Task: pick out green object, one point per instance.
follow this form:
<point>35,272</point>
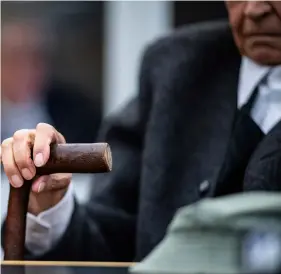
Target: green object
<point>234,234</point>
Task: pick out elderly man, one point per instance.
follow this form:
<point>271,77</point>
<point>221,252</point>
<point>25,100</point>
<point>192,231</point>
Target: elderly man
<point>206,123</point>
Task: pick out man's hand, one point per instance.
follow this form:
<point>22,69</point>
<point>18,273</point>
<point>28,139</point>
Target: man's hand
<point>18,165</point>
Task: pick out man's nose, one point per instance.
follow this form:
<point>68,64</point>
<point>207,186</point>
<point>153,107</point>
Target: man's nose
<point>257,9</point>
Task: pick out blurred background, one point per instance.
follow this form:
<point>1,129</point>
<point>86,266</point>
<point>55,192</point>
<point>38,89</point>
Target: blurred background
<point>72,63</point>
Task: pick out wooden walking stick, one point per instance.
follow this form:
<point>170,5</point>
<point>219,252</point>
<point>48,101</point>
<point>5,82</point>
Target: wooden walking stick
<point>64,158</point>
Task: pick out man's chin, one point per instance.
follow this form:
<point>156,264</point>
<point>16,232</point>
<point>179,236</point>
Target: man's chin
<point>263,56</point>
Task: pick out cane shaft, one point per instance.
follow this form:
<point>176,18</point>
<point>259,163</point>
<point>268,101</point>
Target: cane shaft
<point>14,238</point>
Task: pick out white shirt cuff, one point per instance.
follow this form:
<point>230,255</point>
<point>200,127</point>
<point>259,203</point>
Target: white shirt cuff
<point>44,230</point>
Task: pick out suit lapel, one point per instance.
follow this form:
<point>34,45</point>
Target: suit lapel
<point>194,104</point>
<point>209,127</point>
<point>264,169</point>
<point>218,114</point>
<point>197,111</point>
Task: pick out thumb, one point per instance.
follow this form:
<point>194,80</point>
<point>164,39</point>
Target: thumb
<point>51,182</point>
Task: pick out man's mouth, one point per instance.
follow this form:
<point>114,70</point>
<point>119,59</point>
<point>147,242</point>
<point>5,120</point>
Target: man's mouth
<point>263,34</point>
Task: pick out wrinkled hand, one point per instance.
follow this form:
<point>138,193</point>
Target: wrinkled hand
<point>46,191</point>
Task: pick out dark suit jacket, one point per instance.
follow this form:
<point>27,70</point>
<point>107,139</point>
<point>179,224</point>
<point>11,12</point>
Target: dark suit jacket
<point>167,141</point>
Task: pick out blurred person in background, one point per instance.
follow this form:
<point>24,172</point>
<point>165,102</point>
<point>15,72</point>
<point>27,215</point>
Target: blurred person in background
<point>206,123</point>
<point>30,93</point>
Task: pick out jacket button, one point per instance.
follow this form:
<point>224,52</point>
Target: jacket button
<point>204,187</point>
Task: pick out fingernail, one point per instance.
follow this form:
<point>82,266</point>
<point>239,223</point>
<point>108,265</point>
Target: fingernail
<point>26,174</point>
<point>39,161</point>
<point>41,187</point>
<point>17,181</point>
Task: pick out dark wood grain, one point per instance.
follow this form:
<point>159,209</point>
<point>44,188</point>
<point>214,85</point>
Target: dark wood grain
<point>78,158</point>
<point>64,158</point>
<point>16,222</point>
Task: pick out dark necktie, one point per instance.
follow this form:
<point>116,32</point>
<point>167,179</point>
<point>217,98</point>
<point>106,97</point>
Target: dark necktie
<point>246,136</point>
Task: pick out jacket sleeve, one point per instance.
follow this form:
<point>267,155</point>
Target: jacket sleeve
<point>105,228</point>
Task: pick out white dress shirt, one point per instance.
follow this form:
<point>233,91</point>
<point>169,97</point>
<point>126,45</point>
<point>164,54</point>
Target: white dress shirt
<point>44,230</point>
<point>267,109</point>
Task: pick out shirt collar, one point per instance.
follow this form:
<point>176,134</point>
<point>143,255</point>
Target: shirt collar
<point>274,78</point>
<point>250,75</point>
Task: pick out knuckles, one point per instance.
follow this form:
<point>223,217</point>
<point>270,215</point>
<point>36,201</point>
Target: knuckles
<point>45,127</point>
<point>7,143</point>
<point>48,130</point>
<point>21,134</point>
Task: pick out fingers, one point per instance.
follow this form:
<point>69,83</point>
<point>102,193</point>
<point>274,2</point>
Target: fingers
<point>51,182</point>
<point>16,152</point>
<point>45,135</point>
<point>22,143</point>
<point>10,167</point>
<point>51,192</point>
